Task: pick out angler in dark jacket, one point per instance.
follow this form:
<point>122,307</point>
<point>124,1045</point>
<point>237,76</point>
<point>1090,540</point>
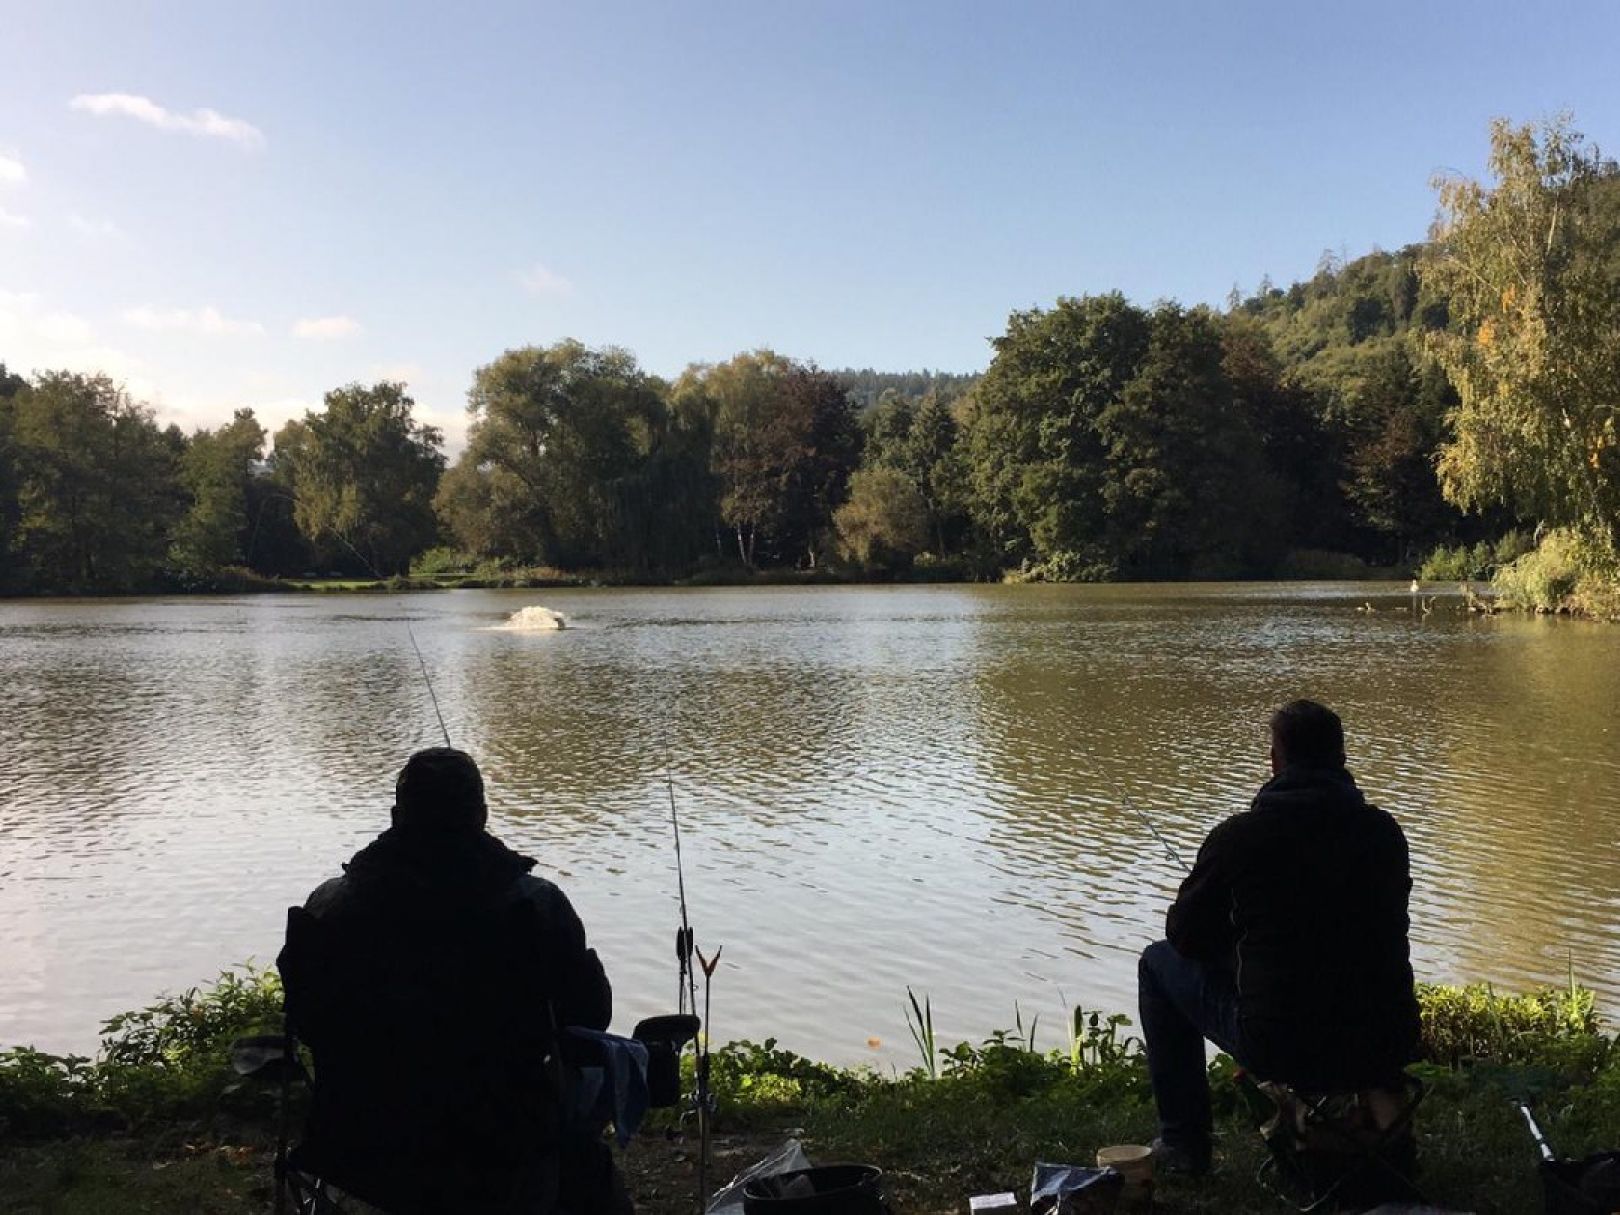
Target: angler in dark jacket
<point>430,980</point>
<point>1287,943</point>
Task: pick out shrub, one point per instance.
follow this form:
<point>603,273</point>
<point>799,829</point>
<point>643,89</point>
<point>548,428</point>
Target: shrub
<point>442,559</point>
<point>1565,573</point>
<point>1553,1027</point>
<point>163,1063</point>
<point>1473,562</point>
<point>44,1095</point>
<point>1063,567</point>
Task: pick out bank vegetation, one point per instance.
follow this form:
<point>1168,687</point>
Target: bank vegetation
<point>159,1121</point>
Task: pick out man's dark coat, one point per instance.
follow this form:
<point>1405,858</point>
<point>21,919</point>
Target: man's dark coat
<point>1304,898</point>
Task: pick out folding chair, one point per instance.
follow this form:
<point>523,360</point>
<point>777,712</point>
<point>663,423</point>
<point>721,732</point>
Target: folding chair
<point>399,1024</point>
<point>274,1057</point>
<point>1327,1150</point>
<point>436,1080</point>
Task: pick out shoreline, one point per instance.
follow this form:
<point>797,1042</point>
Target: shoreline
<point>607,580</point>
<point>159,1122</point>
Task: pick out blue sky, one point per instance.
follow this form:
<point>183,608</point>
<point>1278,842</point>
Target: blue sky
<point>231,204</point>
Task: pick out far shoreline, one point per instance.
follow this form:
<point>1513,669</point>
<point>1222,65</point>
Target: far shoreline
<point>605,580</point>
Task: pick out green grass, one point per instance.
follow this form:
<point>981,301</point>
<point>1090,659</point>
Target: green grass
<point>135,1176</point>
<point>158,1122</point>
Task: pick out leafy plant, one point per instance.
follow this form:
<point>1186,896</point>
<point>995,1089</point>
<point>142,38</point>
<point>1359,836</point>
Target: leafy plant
<point>1096,1041</point>
<point>920,1021</point>
<point>1554,1027</point>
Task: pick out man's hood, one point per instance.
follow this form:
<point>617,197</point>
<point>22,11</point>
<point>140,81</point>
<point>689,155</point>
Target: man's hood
<point>434,866</point>
<point>1296,788</point>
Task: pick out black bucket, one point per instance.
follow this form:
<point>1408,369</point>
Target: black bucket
<point>1582,1187</point>
<point>832,1189</point>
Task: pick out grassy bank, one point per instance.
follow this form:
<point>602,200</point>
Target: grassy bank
<point>157,1122</point>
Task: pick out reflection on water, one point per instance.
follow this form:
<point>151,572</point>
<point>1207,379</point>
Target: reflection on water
<point>878,787</point>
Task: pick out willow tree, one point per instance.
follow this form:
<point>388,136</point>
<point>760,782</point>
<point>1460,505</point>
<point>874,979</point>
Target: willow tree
<point>363,473</point>
<point>1531,264</point>
<point>560,460</point>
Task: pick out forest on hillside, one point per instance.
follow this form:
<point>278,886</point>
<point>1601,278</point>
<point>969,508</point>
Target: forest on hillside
<point>1385,407</point>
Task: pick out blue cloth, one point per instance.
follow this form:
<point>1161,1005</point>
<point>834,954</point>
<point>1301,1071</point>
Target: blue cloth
<point>1182,1002</point>
<point>614,1092</point>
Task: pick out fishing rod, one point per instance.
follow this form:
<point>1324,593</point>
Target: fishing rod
<point>1157,834</point>
<point>685,946</point>
<point>409,632</point>
<point>432,695</point>
<point>380,577</point>
<point>685,949</point>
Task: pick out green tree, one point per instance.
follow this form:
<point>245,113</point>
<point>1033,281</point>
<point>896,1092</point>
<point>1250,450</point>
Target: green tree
<point>218,471</point>
<point>919,440</point>
<point>818,482</point>
<point>1349,412</point>
<point>97,485</point>
<point>10,387</point>
<point>784,443</point>
<point>884,524</point>
<point>1396,424</point>
<point>1302,454</point>
<point>566,454</point>
<point>1185,487</point>
<point>362,473</point>
<point>755,440</point>
<point>1037,461</point>
<point>1531,267</point>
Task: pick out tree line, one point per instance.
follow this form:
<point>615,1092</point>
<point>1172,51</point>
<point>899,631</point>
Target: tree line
<point>1438,394</point>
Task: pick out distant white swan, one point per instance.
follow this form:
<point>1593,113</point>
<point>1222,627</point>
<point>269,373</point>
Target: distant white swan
<point>535,618</point>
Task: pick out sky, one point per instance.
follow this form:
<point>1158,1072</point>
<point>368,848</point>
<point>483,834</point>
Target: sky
<point>232,204</point>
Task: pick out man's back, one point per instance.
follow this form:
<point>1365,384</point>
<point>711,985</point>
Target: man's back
<point>430,1040</point>
<point>429,981</point>
<point>1304,896</point>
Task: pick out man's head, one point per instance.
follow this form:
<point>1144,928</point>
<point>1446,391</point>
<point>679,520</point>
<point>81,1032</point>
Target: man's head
<point>1307,735</point>
<point>440,791</point>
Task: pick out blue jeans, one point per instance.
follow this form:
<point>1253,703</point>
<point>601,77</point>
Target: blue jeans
<point>1182,1002</point>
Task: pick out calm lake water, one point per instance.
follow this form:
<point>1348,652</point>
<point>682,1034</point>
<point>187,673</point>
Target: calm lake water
<point>878,787</point>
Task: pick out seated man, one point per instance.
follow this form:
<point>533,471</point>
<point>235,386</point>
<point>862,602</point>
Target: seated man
<point>1286,945</point>
<point>429,982</point>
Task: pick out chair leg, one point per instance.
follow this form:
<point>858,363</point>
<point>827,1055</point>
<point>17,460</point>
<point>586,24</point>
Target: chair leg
<point>1285,1173</point>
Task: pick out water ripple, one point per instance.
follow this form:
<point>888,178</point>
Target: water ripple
<point>877,787</point>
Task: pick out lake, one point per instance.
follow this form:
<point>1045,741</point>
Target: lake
<point>878,787</point>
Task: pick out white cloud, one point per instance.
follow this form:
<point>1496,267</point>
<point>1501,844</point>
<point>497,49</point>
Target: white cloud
<point>205,321</point>
<point>326,328</point>
<point>38,339</point>
<point>12,172</point>
<point>97,229</point>
<point>206,122</point>
<point>541,280</point>
<point>63,328</point>
<point>408,373</point>
<point>10,220</point>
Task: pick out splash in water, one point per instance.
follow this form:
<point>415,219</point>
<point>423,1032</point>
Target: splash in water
<point>535,618</point>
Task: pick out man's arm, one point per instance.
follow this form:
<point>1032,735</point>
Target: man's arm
<point>1199,922</point>
<point>581,993</point>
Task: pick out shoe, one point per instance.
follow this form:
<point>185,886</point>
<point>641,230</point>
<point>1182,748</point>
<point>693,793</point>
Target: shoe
<point>1184,1161</point>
